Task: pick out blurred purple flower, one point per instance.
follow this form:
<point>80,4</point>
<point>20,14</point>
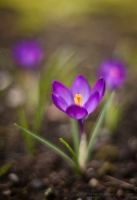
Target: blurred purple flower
<point>80,100</point>
<point>27,54</point>
<point>114,73</point>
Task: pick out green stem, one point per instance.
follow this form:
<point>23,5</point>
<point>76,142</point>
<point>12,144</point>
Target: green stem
<point>75,135</point>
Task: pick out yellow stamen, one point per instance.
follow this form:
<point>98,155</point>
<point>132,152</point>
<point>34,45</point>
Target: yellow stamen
<point>78,99</point>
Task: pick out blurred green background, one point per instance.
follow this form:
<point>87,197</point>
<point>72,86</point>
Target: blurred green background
<point>22,18</point>
<point>97,29</point>
<point>34,15</point>
<point>77,35</point>
<point>92,30</point>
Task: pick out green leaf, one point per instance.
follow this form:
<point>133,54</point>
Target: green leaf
<point>113,116</point>
<point>94,132</point>
<point>23,118</point>
<point>49,145</point>
<point>53,68</point>
<point>70,149</point>
<point>28,140</point>
<point>39,115</point>
<point>75,135</point>
<point>4,169</point>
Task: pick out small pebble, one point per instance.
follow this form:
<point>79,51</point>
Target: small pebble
<point>95,164</point>
<point>13,177</point>
<point>7,192</point>
<point>93,182</point>
<point>36,184</point>
<point>90,173</point>
<point>132,143</point>
<point>120,192</point>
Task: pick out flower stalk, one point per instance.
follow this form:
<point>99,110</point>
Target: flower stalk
<point>82,152</point>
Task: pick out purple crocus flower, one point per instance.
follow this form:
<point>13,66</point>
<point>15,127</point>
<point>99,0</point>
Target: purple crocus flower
<point>27,54</point>
<point>113,72</point>
<point>79,101</point>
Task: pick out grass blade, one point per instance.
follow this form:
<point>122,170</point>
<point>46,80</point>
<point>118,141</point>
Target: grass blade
<point>54,68</point>
<point>69,148</point>
<point>4,169</point>
<point>30,144</point>
<point>49,145</point>
<point>39,115</point>
<point>94,132</point>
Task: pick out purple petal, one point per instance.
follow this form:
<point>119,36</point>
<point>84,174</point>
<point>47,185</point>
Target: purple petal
<point>114,73</point>
<point>99,87</point>
<point>59,102</point>
<point>92,102</point>
<point>27,54</point>
<point>62,91</point>
<point>81,86</point>
<point>76,112</point>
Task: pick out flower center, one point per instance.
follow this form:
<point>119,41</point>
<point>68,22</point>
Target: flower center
<point>78,99</point>
<point>114,72</point>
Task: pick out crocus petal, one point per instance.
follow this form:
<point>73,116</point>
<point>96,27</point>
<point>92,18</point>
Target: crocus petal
<point>59,102</point>
<point>114,73</point>
<point>76,112</point>
<point>111,83</point>
<point>99,87</point>
<point>92,102</point>
<point>81,86</point>
<point>62,91</point>
<point>27,54</point>
<point>118,74</point>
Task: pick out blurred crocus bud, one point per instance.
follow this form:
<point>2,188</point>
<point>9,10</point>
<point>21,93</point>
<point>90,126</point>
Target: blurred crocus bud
<point>27,54</point>
<point>114,73</point>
